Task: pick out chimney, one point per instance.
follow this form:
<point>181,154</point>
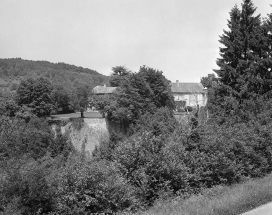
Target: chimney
<point>177,81</point>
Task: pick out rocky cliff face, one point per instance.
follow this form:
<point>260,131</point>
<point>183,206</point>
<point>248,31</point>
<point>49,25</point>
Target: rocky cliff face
<point>86,134</point>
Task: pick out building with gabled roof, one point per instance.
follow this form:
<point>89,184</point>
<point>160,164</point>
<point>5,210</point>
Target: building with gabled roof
<point>190,94</point>
<point>185,94</point>
<point>102,90</point>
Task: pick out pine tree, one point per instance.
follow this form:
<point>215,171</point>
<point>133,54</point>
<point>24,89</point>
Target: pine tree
<point>245,77</point>
<point>240,56</point>
<point>265,57</point>
<point>230,53</point>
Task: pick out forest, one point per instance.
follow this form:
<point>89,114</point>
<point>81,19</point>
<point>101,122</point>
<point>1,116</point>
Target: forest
<point>69,85</point>
<point>150,156</point>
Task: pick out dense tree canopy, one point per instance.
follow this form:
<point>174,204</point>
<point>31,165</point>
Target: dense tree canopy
<point>160,86</point>
<point>44,98</point>
<point>70,77</point>
<point>118,76</point>
<point>36,94</point>
<point>208,81</point>
<point>137,94</point>
<point>60,98</point>
<point>80,98</point>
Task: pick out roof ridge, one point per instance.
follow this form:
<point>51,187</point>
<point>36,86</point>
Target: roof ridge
<point>186,87</point>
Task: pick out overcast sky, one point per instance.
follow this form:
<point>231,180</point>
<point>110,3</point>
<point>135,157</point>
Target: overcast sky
<point>179,37</point>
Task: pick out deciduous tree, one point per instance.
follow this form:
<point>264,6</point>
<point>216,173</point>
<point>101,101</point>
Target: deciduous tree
<point>60,98</point>
<point>119,75</point>
<point>137,94</point>
<point>36,94</point>
<point>160,86</point>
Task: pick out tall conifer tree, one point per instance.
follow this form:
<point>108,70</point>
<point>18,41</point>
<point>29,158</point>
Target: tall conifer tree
<point>265,57</point>
<point>242,46</point>
<point>244,75</point>
<point>230,54</point>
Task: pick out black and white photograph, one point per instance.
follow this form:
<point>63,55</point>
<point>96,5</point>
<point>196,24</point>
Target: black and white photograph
<point>145,107</point>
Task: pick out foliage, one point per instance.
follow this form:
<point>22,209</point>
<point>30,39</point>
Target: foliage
<point>36,94</point>
<point>137,94</point>
<point>29,150</point>
<point>227,154</point>
<point>208,81</point>
<point>24,181</point>
<point>152,166</point>
<point>84,187</point>
<point>153,155</point>
<point>101,102</point>
<point>186,160</point>
<point>241,43</point>
<point>13,70</point>
<point>68,81</point>
<point>118,76</point>
<point>131,100</point>
<point>60,99</point>
<point>145,158</point>
<point>160,86</point>
<point>236,199</point>
<point>161,158</point>
<point>162,122</point>
<point>80,98</point>
<point>8,106</point>
<point>244,76</point>
<point>33,138</point>
<point>42,98</point>
<point>180,105</point>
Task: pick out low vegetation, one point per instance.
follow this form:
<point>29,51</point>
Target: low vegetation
<point>232,200</point>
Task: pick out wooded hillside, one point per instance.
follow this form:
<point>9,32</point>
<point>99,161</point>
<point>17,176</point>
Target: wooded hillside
<point>13,70</point>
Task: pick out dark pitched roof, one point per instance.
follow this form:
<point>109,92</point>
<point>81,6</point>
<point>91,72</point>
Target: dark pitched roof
<point>187,87</point>
<point>103,90</point>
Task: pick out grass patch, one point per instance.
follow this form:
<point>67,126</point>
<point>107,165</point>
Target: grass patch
<point>220,200</point>
<point>77,115</point>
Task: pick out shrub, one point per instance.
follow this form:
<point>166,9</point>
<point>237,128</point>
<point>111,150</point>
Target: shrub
<point>161,123</point>
<point>24,184</point>
<point>226,154</point>
<point>150,165</point>
<point>84,187</point>
<point>77,123</point>
<point>34,138</point>
<point>14,86</point>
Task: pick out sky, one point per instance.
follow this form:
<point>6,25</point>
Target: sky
<point>178,37</point>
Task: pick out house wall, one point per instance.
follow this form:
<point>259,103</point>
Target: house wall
<point>192,99</point>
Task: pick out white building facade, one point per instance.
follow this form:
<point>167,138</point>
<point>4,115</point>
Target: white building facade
<point>190,94</point>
